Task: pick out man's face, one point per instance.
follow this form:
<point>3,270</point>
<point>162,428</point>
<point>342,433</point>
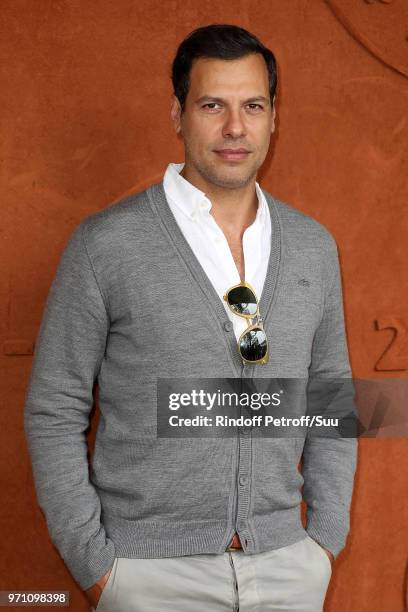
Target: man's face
<point>227,107</point>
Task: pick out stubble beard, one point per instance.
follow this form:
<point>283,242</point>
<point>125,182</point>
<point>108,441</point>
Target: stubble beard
<point>222,176</point>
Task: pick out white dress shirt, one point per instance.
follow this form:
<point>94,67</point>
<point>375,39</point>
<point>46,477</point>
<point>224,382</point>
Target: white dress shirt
<point>191,209</point>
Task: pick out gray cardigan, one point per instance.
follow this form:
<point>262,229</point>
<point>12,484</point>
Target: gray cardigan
<point>129,304</point>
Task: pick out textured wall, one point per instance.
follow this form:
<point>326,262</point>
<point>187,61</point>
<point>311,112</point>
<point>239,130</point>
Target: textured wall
<point>85,100</point>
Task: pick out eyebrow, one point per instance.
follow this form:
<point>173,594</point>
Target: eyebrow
<point>248,101</point>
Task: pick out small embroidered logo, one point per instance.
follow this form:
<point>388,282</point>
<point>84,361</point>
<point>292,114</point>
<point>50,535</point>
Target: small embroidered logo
<point>304,282</point>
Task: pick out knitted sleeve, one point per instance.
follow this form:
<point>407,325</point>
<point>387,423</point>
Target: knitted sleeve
<point>68,353</point>
<point>329,463</point>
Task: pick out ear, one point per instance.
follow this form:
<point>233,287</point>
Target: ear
<point>273,114</point>
<point>175,114</point>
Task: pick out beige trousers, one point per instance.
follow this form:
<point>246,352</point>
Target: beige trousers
<point>293,578</point>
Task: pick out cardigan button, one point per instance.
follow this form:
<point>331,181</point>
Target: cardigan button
<point>245,430</point>
<point>228,326</point>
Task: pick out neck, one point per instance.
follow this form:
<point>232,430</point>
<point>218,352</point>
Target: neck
<point>233,209</point>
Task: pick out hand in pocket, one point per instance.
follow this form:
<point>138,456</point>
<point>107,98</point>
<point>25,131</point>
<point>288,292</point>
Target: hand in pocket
<point>329,554</point>
<point>94,592</point>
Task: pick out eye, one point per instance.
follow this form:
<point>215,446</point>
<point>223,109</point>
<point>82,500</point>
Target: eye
<point>210,104</point>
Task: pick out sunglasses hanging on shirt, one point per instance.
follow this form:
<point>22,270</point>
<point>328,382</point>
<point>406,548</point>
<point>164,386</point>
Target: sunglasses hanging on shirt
<point>252,343</point>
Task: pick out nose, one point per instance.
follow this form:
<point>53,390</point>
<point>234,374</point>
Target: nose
<point>234,126</point>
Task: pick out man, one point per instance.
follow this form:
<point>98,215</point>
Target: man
<point>146,289</point>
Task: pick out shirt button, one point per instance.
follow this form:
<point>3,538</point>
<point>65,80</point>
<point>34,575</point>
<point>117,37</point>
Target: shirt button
<point>243,480</point>
<point>228,326</point>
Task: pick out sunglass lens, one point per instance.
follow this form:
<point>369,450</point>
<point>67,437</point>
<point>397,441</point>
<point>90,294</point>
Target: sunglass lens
<point>242,301</point>
<point>253,345</point>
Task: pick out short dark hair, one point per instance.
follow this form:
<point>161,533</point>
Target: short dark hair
<point>221,41</point>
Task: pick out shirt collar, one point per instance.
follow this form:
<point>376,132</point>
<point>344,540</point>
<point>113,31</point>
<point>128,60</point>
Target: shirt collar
<point>190,199</point>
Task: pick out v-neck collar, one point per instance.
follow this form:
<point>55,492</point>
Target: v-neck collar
<point>158,200</point>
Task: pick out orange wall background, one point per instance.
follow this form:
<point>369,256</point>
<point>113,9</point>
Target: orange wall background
<point>85,102</point>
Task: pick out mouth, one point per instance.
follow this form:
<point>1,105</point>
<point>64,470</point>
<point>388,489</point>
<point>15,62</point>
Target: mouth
<point>232,154</point>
